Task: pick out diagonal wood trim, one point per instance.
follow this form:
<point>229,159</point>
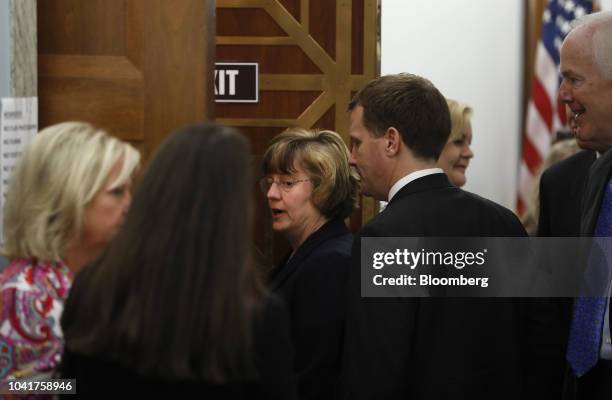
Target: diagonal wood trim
<point>336,81</point>
<point>293,28</point>
<point>95,67</point>
<point>256,40</point>
<point>316,109</point>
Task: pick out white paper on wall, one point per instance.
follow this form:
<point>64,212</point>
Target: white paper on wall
<point>18,125</point>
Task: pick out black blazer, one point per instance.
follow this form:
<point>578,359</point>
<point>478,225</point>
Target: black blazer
<point>103,375</point>
<point>561,189</point>
<point>433,348</point>
<point>591,384</point>
<point>598,177</point>
<point>313,284</point>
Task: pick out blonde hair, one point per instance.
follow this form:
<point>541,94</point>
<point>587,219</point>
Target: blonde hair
<point>460,118</point>
<point>558,152</point>
<point>58,175</point>
<point>325,158</point>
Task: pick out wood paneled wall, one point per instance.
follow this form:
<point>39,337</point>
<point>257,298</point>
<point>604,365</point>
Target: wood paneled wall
<point>139,68</point>
<point>313,55</point>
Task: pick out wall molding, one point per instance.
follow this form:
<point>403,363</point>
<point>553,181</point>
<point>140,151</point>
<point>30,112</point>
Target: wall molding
<point>23,75</point>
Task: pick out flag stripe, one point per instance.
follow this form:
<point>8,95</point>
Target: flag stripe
<point>532,157</point>
<point>537,132</point>
<point>546,70</point>
<point>542,103</point>
<point>545,113</point>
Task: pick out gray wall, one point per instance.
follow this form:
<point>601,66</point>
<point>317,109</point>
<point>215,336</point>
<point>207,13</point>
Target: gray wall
<point>5,49</point>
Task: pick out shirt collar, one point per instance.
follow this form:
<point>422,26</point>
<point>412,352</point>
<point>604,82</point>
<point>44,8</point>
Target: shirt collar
<point>411,177</point>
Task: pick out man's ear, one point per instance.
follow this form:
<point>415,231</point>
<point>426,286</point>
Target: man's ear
<point>394,141</point>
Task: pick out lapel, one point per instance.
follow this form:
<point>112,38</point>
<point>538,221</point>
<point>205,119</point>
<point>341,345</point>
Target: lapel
<point>426,183</point>
<point>594,191</point>
<point>287,268</point>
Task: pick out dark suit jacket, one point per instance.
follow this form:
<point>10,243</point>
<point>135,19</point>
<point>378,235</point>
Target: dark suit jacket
<point>104,375</point>
<point>561,189</point>
<point>597,179</point>
<point>313,284</point>
<point>596,183</point>
<point>433,348</point>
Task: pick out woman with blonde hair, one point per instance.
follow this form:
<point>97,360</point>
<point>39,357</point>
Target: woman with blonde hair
<point>66,200</point>
<point>186,311</point>
<point>456,154</point>
<point>310,189</point>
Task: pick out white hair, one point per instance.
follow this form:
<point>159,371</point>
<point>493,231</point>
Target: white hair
<point>58,175</point>
<point>601,23</point>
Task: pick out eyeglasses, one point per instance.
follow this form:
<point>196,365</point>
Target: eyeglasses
<point>285,184</point>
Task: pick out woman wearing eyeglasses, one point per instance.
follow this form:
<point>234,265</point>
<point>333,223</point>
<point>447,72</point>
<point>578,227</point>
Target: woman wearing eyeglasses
<point>310,190</point>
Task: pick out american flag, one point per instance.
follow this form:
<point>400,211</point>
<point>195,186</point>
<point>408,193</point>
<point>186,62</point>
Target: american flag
<point>545,114</point>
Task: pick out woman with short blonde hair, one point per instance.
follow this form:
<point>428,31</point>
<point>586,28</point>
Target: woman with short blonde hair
<point>66,200</point>
<point>324,157</point>
<point>456,154</point>
<point>311,188</point>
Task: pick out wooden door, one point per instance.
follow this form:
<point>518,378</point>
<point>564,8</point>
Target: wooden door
<point>139,68</point>
<point>313,55</point>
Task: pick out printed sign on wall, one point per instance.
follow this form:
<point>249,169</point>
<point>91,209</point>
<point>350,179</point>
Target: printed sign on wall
<point>236,82</point>
<point>18,126</point>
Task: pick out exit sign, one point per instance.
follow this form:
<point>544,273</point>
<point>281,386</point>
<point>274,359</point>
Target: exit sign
<point>236,82</point>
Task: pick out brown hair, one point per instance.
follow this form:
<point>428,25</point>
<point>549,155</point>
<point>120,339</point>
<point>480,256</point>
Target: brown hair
<point>175,295</point>
<point>325,158</point>
<point>410,104</point>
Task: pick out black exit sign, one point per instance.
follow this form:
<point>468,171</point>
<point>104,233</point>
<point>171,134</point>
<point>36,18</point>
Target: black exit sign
<point>236,82</point>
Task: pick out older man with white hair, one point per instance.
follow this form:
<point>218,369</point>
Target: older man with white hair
<point>586,67</point>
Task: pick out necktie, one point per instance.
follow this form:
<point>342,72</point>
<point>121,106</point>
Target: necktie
<point>587,324</point>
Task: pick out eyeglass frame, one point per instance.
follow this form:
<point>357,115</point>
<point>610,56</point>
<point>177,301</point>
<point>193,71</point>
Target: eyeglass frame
<point>265,183</point>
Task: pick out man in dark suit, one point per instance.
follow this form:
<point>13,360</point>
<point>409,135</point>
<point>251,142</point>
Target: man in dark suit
<point>423,348</point>
<point>586,379</point>
<point>587,90</point>
<point>561,188</point>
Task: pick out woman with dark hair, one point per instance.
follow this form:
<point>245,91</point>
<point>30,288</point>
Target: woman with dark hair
<point>174,304</point>
<point>310,190</point>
